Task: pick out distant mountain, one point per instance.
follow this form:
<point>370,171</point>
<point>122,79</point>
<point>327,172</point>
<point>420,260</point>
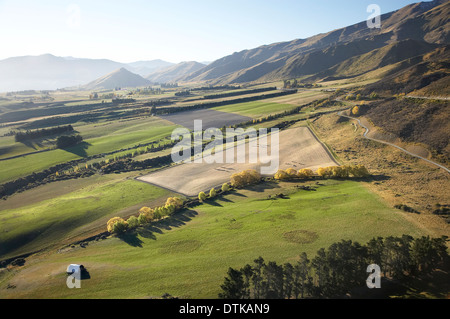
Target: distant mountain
<point>144,68</point>
<point>352,51</point>
<point>424,22</point>
<point>175,72</point>
<point>49,72</point>
<point>120,78</point>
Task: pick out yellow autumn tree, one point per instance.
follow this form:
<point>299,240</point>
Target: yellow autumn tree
<point>356,110</point>
<point>116,225</point>
<point>359,171</point>
<point>175,201</point>
<point>225,188</point>
<point>324,172</point>
<point>245,178</point>
<point>281,175</point>
<point>292,173</point>
<point>305,173</point>
<point>202,196</point>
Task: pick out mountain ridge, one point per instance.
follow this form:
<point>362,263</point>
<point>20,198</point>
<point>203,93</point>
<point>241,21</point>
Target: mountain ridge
<point>423,21</point>
<point>119,78</point>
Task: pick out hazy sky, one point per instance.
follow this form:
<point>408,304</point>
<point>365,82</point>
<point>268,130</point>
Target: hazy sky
<point>175,31</point>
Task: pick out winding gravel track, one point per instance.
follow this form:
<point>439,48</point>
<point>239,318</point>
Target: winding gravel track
<point>391,144</point>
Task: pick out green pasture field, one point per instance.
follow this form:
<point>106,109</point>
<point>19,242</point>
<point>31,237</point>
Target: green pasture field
<point>43,223</point>
<point>255,109</point>
<point>98,138</point>
<point>189,254</point>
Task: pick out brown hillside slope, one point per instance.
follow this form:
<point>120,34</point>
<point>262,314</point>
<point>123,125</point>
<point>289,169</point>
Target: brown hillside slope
<point>416,121</point>
<point>425,21</point>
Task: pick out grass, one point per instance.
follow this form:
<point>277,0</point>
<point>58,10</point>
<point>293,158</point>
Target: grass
<point>255,109</point>
<point>189,255</point>
<point>52,220</point>
<point>97,139</point>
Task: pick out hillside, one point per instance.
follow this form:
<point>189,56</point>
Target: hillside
<point>119,78</point>
<point>144,68</point>
<point>174,72</point>
<point>49,72</point>
<point>415,121</point>
<point>376,59</point>
<point>428,73</point>
<point>422,22</point>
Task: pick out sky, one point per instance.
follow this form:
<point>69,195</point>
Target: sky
<point>171,30</point>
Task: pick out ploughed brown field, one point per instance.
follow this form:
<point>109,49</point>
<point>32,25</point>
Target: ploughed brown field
<point>298,149</point>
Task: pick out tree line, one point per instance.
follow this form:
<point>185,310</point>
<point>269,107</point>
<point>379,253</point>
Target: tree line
<point>237,93</point>
<point>118,225</point>
<point>171,110</point>
<point>119,163</point>
<point>68,141</point>
<point>33,134</point>
<point>336,271</point>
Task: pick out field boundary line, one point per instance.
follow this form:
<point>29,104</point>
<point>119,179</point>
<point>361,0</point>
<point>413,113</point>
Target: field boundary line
<point>325,146</point>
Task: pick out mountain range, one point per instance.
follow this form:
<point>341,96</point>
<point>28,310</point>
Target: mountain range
<point>175,72</point>
<point>49,72</point>
<point>425,25</point>
<point>408,37</point>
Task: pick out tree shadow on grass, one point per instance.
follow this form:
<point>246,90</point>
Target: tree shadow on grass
<point>174,221</point>
<point>148,232</point>
<point>213,202</point>
<point>224,199</point>
<point>29,144</point>
<point>79,149</point>
<point>236,193</point>
<point>262,187</point>
<point>132,239</point>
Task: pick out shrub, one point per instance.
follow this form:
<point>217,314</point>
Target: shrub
<point>202,196</point>
<point>406,208</point>
<point>358,171</point>
<point>281,175</point>
<point>292,173</point>
<point>355,110</point>
<point>147,213</point>
<point>305,173</point>
<point>120,227</point>
<point>67,141</point>
<point>143,220</point>
<point>245,178</point>
<point>117,225</point>
<point>225,188</point>
<point>325,172</point>
<point>158,214</point>
<point>212,193</point>
<point>175,201</point>
<point>133,222</point>
<point>170,209</point>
